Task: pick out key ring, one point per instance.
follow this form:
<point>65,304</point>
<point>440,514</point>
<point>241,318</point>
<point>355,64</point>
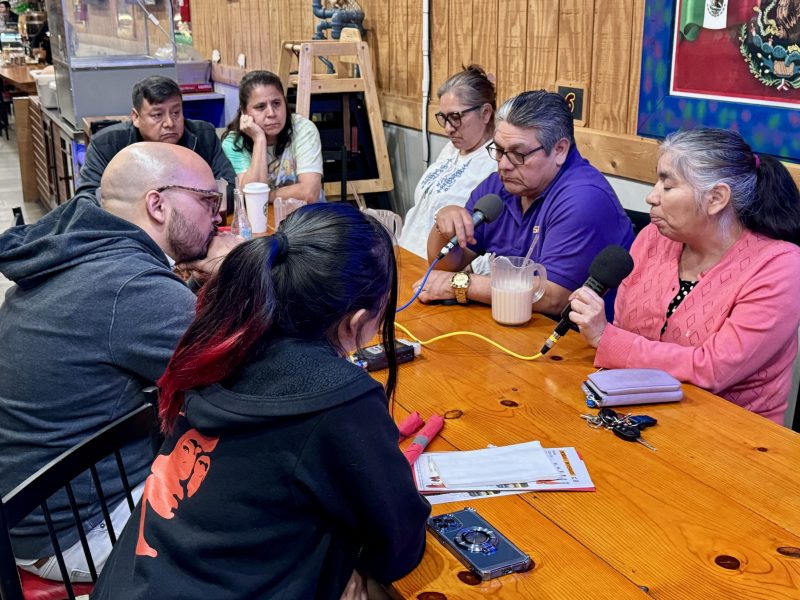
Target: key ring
<point>593,421</point>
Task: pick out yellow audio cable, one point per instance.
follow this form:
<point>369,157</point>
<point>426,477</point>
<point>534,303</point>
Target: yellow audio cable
<point>469,333</point>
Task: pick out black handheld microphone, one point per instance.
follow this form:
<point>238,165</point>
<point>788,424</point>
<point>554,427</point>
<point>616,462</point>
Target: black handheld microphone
<point>487,209</point>
<point>608,269</point>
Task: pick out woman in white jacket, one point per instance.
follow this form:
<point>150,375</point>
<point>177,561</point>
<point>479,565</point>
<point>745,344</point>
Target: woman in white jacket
<point>466,111</point>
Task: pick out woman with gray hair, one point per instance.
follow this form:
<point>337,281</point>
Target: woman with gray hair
<point>466,112</point>
<point>712,296</point>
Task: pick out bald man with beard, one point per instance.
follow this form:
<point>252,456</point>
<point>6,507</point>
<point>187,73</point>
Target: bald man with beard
<point>92,321</point>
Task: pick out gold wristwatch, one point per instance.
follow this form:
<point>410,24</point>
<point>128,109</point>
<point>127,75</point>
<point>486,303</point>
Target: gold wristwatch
<point>460,282</point>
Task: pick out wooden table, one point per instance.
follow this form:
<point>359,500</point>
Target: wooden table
<point>713,513</point>
<point>20,77</point>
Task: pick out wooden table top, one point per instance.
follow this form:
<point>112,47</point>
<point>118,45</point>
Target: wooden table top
<point>20,76</point>
<point>713,513</point>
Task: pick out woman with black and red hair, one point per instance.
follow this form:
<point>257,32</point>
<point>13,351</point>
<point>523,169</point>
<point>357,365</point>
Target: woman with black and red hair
<point>280,476</point>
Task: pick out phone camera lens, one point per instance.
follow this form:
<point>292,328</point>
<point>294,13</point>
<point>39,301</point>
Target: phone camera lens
<point>445,523</point>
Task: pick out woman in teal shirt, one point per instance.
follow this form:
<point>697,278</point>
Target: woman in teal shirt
<point>268,145</point>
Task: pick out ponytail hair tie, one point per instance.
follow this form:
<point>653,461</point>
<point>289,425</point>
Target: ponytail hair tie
<point>758,161</point>
<point>281,247</point>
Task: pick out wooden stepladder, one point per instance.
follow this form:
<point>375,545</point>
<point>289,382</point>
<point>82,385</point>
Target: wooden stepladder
<point>308,83</point>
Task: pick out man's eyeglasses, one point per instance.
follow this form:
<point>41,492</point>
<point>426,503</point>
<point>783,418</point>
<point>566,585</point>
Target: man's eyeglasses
<point>515,158</point>
<point>454,118</point>
<point>212,197</point>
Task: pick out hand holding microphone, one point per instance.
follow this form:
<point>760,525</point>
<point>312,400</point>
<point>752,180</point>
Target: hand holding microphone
<point>608,269</point>
<point>457,221</point>
<point>589,314</point>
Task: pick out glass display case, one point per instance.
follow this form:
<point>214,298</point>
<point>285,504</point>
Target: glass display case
<point>101,48</point>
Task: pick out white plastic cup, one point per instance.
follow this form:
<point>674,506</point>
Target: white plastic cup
<point>255,200</point>
<point>284,207</point>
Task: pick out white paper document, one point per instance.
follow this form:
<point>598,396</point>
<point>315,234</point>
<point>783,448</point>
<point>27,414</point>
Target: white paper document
<point>492,466</point>
<point>571,475</point>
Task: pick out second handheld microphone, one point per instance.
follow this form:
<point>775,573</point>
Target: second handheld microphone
<point>487,209</point>
<point>608,269</point>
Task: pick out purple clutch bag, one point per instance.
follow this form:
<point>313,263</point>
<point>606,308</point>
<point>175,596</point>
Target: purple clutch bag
<point>618,387</point>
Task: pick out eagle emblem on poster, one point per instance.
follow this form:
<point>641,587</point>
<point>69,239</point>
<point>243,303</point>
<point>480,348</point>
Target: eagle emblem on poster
<point>770,44</point>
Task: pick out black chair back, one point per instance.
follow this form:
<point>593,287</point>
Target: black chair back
<point>35,491</point>
<point>640,220</point>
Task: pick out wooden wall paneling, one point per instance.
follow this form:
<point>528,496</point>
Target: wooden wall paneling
<point>619,154</point>
<point>236,37</point>
<point>575,23</point>
<point>635,72</point>
<point>229,13</point>
<point>398,40</point>
<point>414,82</point>
<point>225,74</point>
<point>219,29</point>
<point>460,38</point>
<point>611,65</point>
<point>205,38</point>
<point>440,58</point>
<point>542,47</point>
<point>199,28</point>
<point>264,22</point>
<point>484,34</point>
<point>240,31</point>
<point>376,22</point>
<point>220,16</point>
<point>224,41</point>
<point>283,32</point>
<point>251,46</point>
<point>236,34</point>
<point>214,26</point>
<point>440,48</point>
<point>402,111</point>
<point>512,35</point>
<point>306,21</point>
<point>536,44</point>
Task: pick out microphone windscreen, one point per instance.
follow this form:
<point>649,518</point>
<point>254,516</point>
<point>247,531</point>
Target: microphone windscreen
<point>491,206</point>
<point>611,266</point>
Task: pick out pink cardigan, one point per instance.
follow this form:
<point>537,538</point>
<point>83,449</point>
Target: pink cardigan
<point>735,334</point>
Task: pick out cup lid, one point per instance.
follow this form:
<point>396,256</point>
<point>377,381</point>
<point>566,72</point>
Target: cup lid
<point>256,187</point>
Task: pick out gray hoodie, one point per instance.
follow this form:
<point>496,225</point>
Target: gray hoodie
<point>92,320</point>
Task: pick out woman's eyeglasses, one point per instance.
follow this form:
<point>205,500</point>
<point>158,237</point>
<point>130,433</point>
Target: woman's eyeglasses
<point>454,118</point>
<point>515,158</point>
<point>212,197</point>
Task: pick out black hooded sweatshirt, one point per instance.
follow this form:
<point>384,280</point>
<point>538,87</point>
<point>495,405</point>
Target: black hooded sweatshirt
<point>276,484</point>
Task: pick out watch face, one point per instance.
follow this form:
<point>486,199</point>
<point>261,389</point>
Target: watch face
<point>460,280</point>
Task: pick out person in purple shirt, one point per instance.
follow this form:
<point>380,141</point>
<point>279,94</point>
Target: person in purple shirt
<point>546,187</point>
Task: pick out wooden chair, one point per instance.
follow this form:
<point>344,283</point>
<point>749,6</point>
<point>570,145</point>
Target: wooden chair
<point>39,487</point>
<point>362,82</point>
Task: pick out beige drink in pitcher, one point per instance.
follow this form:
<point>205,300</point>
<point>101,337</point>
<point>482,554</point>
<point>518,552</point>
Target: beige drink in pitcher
<point>517,283</point>
<point>512,306</point>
